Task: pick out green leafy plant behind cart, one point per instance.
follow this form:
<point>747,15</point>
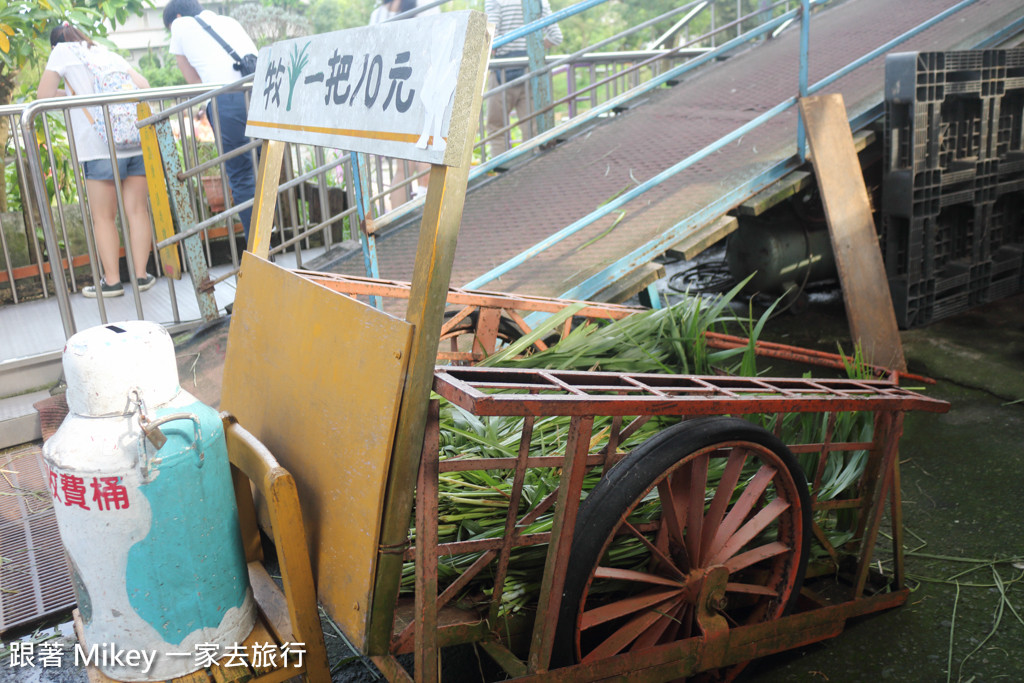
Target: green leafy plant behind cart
<point>473,504</point>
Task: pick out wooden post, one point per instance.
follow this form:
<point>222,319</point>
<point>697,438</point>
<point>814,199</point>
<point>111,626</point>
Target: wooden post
<point>163,222</point>
<point>852,229</point>
<point>265,199</point>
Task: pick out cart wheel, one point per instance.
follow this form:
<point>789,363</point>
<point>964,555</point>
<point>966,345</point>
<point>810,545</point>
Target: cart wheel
<point>648,534</point>
<point>462,335</point>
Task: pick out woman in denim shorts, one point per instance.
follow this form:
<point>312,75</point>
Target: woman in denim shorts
<point>72,51</point>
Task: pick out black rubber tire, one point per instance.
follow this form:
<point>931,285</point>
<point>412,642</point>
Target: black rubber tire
<point>508,331</point>
<point>628,482</point>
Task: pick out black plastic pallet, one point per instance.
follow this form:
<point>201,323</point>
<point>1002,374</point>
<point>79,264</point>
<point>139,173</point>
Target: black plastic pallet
<point>947,110</point>
<point>959,286</point>
<point>921,247</point>
<point>952,223</point>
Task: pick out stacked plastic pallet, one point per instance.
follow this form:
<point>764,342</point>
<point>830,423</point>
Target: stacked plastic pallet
<point>952,225</point>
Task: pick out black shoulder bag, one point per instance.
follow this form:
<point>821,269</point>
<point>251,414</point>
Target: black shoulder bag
<point>245,65</point>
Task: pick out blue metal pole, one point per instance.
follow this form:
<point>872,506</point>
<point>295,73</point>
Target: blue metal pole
<point>540,84</point>
<point>619,201</point>
<point>552,18</point>
<point>805,33</point>
<point>360,176</point>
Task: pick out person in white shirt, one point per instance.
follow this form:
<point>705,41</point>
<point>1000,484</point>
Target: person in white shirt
<point>72,59</point>
<point>203,60</point>
<point>507,15</point>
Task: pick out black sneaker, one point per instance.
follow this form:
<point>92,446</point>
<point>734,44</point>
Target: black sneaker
<point>144,283</point>
<point>106,290</point>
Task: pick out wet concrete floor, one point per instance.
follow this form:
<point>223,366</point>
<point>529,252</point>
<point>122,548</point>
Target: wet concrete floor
<point>963,487</point>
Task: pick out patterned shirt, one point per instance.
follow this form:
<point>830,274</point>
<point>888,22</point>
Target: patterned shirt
<point>507,16</point>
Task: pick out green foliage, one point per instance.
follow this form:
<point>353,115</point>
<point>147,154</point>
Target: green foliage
<point>24,42</point>
<point>60,169</point>
<point>13,188</point>
<point>614,16</point>
<point>269,24</point>
<point>25,29</point>
<point>161,70</point>
<point>473,504</point>
<point>334,15</point>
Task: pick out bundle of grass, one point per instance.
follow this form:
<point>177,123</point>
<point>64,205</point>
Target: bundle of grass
<point>473,504</point>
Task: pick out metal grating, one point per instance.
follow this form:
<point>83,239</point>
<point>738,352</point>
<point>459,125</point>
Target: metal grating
<point>34,578</point>
<point>529,203</point>
<point>506,391</point>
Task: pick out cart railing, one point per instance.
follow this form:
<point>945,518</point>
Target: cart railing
<point>607,410</point>
<point>477,320</point>
<point>492,391</point>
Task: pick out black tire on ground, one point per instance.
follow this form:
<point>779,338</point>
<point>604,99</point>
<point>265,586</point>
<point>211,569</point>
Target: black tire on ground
<point>508,331</point>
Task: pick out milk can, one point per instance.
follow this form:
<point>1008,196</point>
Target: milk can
<point>143,497</point>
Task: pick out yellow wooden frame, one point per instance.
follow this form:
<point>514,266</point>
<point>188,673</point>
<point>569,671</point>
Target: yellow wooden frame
<point>255,398</point>
<point>291,614</point>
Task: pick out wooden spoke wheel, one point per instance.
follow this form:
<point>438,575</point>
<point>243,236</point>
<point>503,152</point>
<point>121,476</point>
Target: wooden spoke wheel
<point>708,492</point>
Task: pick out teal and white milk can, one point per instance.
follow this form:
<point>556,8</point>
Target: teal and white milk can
<point>142,491</point>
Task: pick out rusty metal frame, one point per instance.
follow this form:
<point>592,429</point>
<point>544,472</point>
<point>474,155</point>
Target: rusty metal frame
<point>500,391</point>
<point>486,307</point>
<point>631,400</point>
<point>798,354</point>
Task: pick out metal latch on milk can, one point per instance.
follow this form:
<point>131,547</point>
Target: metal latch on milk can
<point>151,430</point>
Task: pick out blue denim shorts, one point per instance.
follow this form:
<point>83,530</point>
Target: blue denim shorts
<point>102,169</point>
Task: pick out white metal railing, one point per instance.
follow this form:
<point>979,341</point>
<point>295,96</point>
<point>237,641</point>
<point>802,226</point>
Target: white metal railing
<point>316,177</point>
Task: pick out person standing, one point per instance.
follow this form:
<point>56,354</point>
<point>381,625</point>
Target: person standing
<point>507,15</point>
<point>202,59</point>
<point>74,58</point>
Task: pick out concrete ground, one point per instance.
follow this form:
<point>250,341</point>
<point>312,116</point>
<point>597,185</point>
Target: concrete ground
<point>963,483</point>
<point>962,487</point>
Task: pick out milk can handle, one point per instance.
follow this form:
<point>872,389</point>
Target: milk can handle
<point>151,428</point>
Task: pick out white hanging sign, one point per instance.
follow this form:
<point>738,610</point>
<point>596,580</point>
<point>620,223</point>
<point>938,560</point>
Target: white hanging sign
<point>389,89</point>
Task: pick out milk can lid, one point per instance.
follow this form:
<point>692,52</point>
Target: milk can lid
<point>108,365</point>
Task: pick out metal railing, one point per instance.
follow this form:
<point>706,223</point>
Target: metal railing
<point>307,172</point>
<point>647,252</point>
<point>596,83</point>
<point>585,80</point>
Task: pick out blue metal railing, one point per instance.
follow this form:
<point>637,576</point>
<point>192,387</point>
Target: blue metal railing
<point>648,251</point>
<point>578,122</point>
<point>543,22</point>
<point>618,202</point>
<point>644,253</point>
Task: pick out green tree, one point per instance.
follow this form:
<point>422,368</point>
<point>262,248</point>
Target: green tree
<point>334,15</point>
<point>268,24</point>
<point>609,18</point>
<point>160,69</point>
<point>24,41</point>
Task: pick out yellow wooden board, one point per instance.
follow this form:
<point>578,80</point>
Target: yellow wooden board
<point>317,376</point>
<point>852,229</point>
<point>159,202</point>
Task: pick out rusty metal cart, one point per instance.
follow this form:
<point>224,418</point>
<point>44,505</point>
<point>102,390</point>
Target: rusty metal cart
<point>726,578</point>
<point>716,506</point>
